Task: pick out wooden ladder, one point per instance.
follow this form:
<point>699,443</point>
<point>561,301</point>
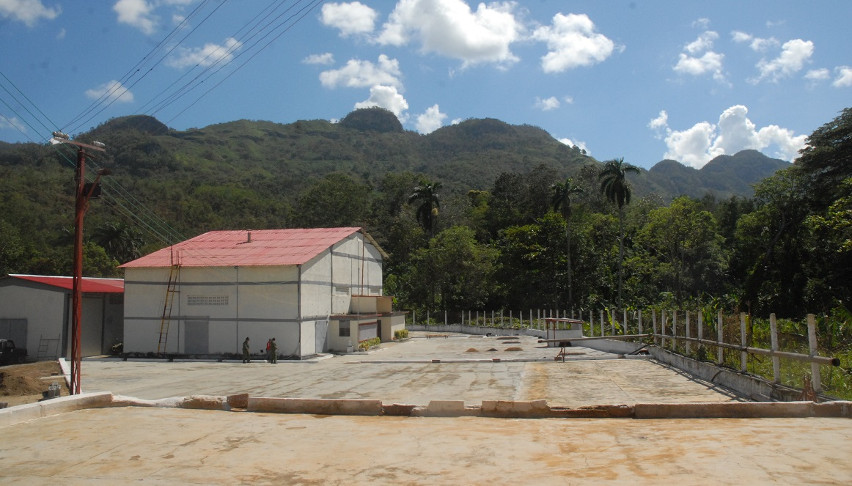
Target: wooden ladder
<point>174,274</point>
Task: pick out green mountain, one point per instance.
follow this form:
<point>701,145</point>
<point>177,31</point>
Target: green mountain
<point>246,173</point>
<point>724,176</point>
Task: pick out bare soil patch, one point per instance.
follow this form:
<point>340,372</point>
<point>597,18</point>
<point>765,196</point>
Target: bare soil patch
<point>24,383</point>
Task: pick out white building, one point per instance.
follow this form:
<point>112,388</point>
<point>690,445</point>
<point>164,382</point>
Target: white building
<point>35,312</point>
<point>204,296</point>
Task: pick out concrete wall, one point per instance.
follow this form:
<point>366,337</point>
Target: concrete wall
<point>48,310</point>
<point>237,302</point>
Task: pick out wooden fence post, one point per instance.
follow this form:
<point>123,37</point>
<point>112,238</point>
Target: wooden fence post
<point>663,329</point>
<point>743,353</point>
<point>640,322</point>
<point>700,329</point>
<point>816,379</point>
<point>720,335</point>
<point>687,345</point>
<point>624,322</point>
<point>674,329</point>
<point>602,324</point>
<point>654,325</point>
<point>773,343</point>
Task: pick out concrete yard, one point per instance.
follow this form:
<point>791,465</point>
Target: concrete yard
<point>179,446</point>
<point>405,373</point>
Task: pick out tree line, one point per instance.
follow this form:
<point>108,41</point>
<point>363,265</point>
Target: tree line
<point>533,239</point>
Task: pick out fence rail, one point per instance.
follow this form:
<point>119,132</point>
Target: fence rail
<point>666,332</point>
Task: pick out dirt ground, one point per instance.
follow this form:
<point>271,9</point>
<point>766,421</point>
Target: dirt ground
<point>24,383</point>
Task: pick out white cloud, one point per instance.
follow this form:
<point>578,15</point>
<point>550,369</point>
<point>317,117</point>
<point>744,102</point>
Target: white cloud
<point>208,55</point>
<point>111,91</point>
<point>386,97</point>
<point>844,77</point>
<point>704,42</point>
<point>740,37</point>
<point>572,42</point>
<point>660,124</point>
<point>578,144</point>
<point>325,59</point>
<point>361,74</point>
<point>756,44</point>
<point>28,11</point>
<point>701,23</point>
<point>12,123</point>
<point>431,120</point>
<point>794,54</point>
<point>734,132</point>
<point>450,28</point>
<point>818,74</point>
<point>349,18</point>
<point>690,62</point>
<point>547,104</point>
<point>136,13</point>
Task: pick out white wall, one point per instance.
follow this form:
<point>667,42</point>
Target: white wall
<point>255,302</point>
<point>43,309</point>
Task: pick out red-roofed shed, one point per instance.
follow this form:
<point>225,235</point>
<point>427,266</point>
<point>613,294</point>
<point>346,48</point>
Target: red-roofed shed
<point>35,312</point>
<point>205,295</point>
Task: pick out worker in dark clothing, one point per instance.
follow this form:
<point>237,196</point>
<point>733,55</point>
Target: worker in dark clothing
<point>246,351</point>
<point>273,351</point>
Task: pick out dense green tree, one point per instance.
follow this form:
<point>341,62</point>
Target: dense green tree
<point>561,200</point>
<point>335,200</point>
<point>120,241</point>
<point>682,250</point>
<point>455,271</point>
<point>826,160</point>
<point>425,198</point>
<point>614,185</point>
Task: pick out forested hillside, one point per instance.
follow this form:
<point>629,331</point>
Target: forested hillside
<point>481,214</point>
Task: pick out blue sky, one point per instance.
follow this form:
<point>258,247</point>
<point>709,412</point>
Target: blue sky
<point>643,80</point>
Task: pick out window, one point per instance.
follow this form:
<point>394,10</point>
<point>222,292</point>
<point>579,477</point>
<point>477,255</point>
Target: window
<point>207,300</point>
<point>343,329</point>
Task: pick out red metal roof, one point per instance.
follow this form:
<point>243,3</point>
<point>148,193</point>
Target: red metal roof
<point>246,248</point>
<point>89,284</point>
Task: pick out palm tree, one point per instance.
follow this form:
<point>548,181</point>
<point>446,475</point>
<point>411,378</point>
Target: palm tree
<point>119,240</point>
<point>614,185</point>
<point>561,201</point>
<point>425,195</point>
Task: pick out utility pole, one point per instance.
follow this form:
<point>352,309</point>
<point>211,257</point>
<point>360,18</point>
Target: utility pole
<point>83,193</point>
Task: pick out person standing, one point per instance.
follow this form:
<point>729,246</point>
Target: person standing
<point>273,351</point>
<point>246,351</point>
<point>269,350</point>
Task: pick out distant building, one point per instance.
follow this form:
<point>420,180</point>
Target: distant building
<point>204,296</point>
<point>35,312</point>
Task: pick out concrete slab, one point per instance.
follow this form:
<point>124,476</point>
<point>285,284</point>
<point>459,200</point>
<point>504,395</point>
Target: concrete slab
<point>177,446</point>
<point>407,373</point>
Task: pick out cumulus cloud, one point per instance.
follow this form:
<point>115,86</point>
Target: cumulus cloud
<point>431,120</point>
<point>136,13</point>
<point>361,74</point>
<point>325,59</point>
<point>450,28</point>
<point>572,42</point>
<point>578,144</point>
<point>794,54</point>
<point>844,77</point>
<point>699,58</point>
<point>111,91</point>
<point>349,18</point>
<point>386,97</point>
<point>756,44</point>
<point>208,55</point>
<point>28,11</point>
<point>547,104</point>
<point>734,132</point>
